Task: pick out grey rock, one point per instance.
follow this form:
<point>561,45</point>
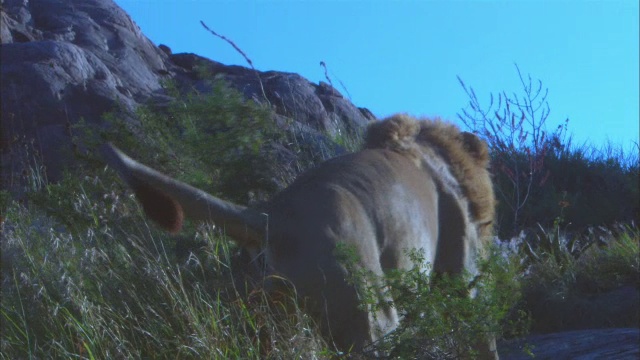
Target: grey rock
<point>585,326</point>
<point>67,60</point>
<point>619,344</point>
<point>290,95</point>
<point>618,307</point>
<point>62,61</point>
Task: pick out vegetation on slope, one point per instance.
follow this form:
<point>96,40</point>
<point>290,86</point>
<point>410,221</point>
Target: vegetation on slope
<point>85,275</point>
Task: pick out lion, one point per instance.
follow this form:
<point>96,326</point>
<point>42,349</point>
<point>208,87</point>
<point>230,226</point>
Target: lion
<point>416,185</point>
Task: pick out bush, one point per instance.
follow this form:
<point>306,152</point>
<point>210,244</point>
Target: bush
<point>218,142</point>
<point>598,188</point>
<point>440,320</point>
<point>539,173</point>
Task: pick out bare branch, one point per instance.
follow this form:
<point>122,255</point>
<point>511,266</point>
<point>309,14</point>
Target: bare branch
<point>246,58</point>
<point>514,125</point>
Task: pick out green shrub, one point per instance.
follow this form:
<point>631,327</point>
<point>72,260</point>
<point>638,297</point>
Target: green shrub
<point>440,320</point>
<point>536,169</point>
<point>218,141</point>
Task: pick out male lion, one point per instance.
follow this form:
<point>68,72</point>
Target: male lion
<point>416,185</point>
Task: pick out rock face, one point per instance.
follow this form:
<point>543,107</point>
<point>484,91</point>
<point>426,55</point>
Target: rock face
<point>583,344</point>
<point>66,60</point>
<point>619,307</point>
<point>602,326</point>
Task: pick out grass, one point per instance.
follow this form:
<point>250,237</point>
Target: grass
<point>119,289</point>
<point>616,263</point>
<point>112,285</point>
<point>595,288</point>
<point>600,268</point>
<point>85,276</point>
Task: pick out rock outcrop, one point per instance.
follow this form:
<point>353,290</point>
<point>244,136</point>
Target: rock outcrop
<point>66,60</point>
<point>620,344</point>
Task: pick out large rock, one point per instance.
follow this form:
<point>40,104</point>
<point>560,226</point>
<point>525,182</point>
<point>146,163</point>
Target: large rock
<point>619,307</point>
<point>586,326</point>
<point>318,105</point>
<point>66,60</point>
<point>619,344</point>
<point>63,61</point>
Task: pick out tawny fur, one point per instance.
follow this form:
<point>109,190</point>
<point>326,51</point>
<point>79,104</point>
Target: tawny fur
<point>466,155</point>
<point>420,185</point>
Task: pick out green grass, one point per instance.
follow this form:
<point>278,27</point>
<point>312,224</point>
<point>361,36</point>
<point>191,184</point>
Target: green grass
<point>599,268</point>
<point>84,275</point>
<point>570,291</point>
<point>113,285</point>
<point>118,289</point>
<point>616,263</point>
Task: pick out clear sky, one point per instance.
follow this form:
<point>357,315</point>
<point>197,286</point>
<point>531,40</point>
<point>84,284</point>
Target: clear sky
<point>404,56</point>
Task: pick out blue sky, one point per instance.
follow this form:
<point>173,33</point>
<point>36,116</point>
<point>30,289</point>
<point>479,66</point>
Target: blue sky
<point>404,56</point>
